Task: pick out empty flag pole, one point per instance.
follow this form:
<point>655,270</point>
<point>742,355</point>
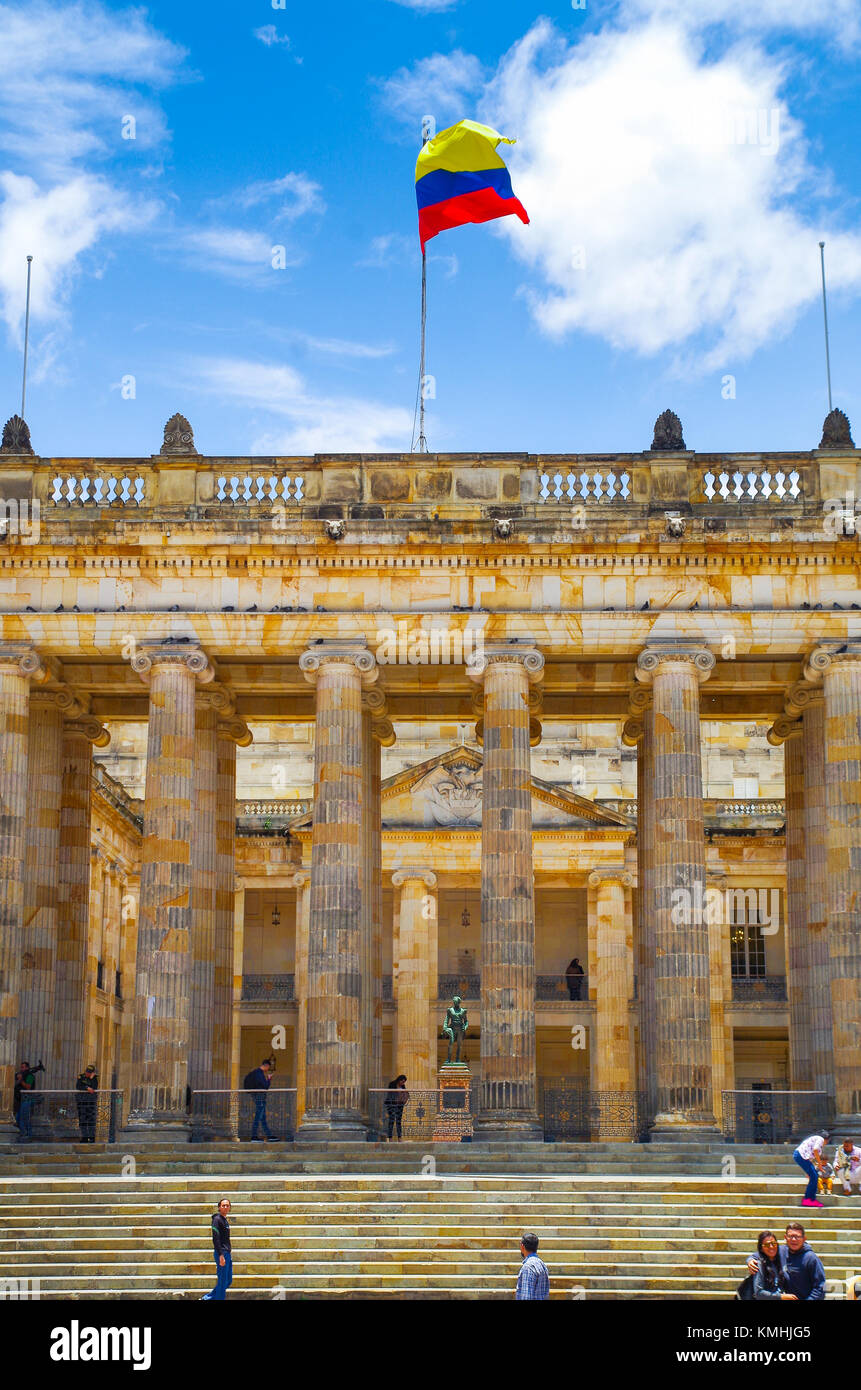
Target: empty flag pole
<point>825,316</point>
<point>26,342</point>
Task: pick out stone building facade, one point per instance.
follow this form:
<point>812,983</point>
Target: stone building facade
<point>296,748</point>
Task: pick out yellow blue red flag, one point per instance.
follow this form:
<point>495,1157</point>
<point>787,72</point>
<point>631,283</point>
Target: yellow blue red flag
<point>460,178</point>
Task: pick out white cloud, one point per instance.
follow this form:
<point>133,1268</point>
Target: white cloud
<point>838,19</point>
<point>650,224</point>
<point>342,347</point>
<point>57,226</point>
<point>311,424</point>
<point>441,86</point>
<point>427,6</point>
<point>71,73</point>
<point>269,35</point>
<point>391,249</point>
<point>296,192</point>
<point>229,250</point>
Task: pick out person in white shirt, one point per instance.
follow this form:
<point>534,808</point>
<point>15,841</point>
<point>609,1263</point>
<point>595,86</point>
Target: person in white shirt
<point>847,1165</point>
<point>810,1157</point>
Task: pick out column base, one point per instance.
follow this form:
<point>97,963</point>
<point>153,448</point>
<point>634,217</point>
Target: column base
<point>843,1127</point>
<point>149,1130</point>
<point>667,1129</point>
<point>331,1127</point>
<point>513,1126</point>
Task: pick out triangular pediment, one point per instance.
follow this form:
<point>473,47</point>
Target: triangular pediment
<point>445,792</point>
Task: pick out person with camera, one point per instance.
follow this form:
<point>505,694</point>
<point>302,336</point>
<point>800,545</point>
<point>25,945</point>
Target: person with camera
<point>25,1086</point>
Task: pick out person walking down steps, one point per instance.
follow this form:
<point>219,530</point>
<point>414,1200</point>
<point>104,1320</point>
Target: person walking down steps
<point>222,1252</point>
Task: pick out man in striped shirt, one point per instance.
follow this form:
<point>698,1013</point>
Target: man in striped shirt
<point>532,1281</point>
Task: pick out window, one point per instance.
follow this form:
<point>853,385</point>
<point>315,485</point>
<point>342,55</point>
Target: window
<point>747,948</point>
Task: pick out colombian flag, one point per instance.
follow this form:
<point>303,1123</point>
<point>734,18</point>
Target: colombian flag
<point>460,178</point>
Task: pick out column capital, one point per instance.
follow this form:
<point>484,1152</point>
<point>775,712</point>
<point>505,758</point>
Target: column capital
<point>523,654</point>
<point>676,651</point>
<point>615,873</point>
<point>149,656</point>
<point>803,695</point>
<point>22,659</point>
<point>235,731</point>
<point>827,654</point>
<point>784,728</point>
<point>632,732</point>
<point>72,703</point>
<point>216,696</point>
<point>349,651</point>
<point>404,875</point>
<point>90,728</point>
<point>300,878</point>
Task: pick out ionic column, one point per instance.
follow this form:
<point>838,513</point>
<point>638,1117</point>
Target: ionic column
<point>73,908</point>
<point>840,667</point>
<point>607,904</point>
<point>41,878</point>
<point>415,1045</point>
<point>19,664</point>
<point>507,898</point>
<point>333,1099</point>
<point>238,954</point>
<point>816,873</point>
<point>231,733</point>
<point>210,700</point>
<point>790,732</point>
<point>682,1005</point>
<point>639,732</point>
<point>719,997</point>
<point>377,732</point>
<point>161,1040</point>
<point>302,884</point>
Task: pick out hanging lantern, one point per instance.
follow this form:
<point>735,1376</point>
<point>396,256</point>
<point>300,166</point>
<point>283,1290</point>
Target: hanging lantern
<point>276,916</point>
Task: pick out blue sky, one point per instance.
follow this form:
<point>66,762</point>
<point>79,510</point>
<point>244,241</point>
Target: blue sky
<point>680,160</point>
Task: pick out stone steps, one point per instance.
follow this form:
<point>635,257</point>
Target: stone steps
<point>387,1235</point>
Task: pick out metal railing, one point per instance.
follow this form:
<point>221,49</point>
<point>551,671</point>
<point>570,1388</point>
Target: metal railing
<point>70,1117</point>
<point>243,1115</point>
<point>467,986</point>
<point>773,1117</point>
<point>425,1114</point>
<point>556,987</point>
<point>574,1113</point>
<point>277,988</point>
<point>749,990</point>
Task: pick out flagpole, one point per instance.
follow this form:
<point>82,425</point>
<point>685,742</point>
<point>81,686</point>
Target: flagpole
<point>422,443</point>
<point>825,316</point>
<point>26,342</point>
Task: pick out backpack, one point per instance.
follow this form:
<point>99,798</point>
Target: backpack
<point>249,1083</point>
<point>745,1289</point>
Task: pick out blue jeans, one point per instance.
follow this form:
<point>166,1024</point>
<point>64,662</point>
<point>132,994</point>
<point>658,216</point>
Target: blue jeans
<point>223,1278</point>
<point>260,1117</point>
<point>810,1170</point>
<point>25,1118</point>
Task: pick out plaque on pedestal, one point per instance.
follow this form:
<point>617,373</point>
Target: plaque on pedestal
<point>454,1117</point>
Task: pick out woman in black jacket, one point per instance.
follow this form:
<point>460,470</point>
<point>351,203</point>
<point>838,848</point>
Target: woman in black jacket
<point>769,1282</point>
<point>396,1098</point>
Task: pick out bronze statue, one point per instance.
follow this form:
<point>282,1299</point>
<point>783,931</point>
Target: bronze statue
<point>455,1026</point>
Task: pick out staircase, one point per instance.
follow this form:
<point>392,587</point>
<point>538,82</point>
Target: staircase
<point>376,1221</point>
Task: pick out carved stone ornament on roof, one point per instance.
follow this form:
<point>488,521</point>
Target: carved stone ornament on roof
<point>16,437</point>
<point>668,432</point>
<point>836,431</point>
<point>178,436</point>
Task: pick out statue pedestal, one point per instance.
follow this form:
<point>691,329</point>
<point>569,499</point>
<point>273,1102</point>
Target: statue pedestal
<point>454,1117</point>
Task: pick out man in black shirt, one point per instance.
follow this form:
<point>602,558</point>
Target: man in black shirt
<point>574,976</point>
<point>221,1249</point>
<point>25,1083</point>
<point>259,1082</point>
<point>88,1085</point>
